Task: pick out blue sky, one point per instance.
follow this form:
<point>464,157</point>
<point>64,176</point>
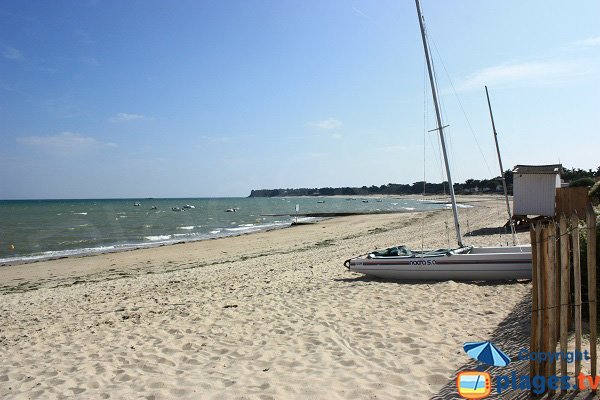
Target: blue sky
<point>215,98</point>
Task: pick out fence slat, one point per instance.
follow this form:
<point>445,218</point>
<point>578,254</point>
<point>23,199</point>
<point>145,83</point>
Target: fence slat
<point>591,266</point>
<point>552,304</point>
<point>577,291</point>
<point>534,344</point>
<point>564,293</point>
<point>541,366</point>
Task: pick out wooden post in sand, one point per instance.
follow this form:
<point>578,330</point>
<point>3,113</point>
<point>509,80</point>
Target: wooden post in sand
<point>552,302</point>
<point>577,287</point>
<point>564,292</point>
<point>534,345</point>
<point>591,268</point>
<point>545,285</point>
<point>541,366</point>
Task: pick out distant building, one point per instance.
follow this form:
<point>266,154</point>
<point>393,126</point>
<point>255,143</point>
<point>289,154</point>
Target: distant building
<point>534,189</point>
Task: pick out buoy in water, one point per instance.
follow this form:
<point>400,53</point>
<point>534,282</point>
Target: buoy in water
<point>11,247</point>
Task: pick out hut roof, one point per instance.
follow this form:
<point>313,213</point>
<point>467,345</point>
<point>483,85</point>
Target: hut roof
<point>551,169</point>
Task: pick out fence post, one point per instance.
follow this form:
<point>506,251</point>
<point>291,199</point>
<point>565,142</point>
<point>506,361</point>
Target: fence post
<point>552,303</point>
<point>591,266</point>
<point>564,292</point>
<point>534,345</point>
<point>577,287</point>
<point>541,314</point>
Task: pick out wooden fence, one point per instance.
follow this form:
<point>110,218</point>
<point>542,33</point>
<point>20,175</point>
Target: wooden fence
<point>557,290</point>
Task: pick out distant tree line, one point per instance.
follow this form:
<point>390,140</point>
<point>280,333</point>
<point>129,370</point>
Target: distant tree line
<point>469,186</point>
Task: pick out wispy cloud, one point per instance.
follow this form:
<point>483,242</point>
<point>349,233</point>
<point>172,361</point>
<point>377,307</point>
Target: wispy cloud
<point>314,155</point>
<point>589,42</point>
<point>327,124</point>
<point>394,149</point>
<point>539,73</point>
<point>223,139</point>
<point>87,60</point>
<point>125,117</point>
<point>11,53</point>
<point>83,37</point>
<point>65,143</point>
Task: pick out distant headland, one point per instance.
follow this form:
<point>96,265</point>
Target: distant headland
<point>468,187</point>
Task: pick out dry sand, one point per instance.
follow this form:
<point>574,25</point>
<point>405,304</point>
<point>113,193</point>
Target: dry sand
<point>266,315</point>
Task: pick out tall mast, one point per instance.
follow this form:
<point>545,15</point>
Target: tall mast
<point>440,128</point>
<point>512,224</point>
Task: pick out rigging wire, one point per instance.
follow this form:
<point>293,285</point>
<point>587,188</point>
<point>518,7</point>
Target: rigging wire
<point>426,132</point>
<point>461,107</point>
<point>441,129</point>
<point>425,113</point>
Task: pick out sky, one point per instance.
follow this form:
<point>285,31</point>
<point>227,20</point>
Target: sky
<point>212,98</point>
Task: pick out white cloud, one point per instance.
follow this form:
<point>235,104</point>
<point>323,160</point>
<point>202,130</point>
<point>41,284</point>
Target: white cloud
<point>12,54</point>
<point>392,149</point>
<point>594,41</point>
<point>326,124</point>
<point>124,117</point>
<point>540,73</point>
<point>64,143</point>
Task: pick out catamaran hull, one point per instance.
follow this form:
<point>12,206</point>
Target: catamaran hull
<point>489,263</point>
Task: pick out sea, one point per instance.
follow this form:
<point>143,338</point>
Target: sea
<point>33,230</point>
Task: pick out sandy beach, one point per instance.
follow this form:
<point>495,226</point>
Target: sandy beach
<point>271,315</point>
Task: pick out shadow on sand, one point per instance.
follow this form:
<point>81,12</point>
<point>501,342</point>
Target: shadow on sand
<point>511,335</point>
<point>488,231</point>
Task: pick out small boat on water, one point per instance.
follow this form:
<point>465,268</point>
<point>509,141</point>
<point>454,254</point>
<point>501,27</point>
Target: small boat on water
<point>137,204</point>
<point>154,208</point>
<point>462,263</point>
<point>235,209</point>
<point>176,209</point>
<point>187,206</point>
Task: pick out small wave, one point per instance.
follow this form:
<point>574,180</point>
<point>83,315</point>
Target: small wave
<point>215,231</point>
<point>81,213</point>
<point>187,228</point>
<point>186,235</point>
<point>240,228</point>
<point>122,216</point>
<point>157,237</point>
<point>409,208</point>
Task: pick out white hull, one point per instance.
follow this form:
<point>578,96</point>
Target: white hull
<point>481,263</point>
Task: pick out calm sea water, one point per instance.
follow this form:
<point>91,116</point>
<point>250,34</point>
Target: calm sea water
<point>41,229</point>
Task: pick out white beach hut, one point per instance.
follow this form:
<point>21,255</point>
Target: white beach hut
<point>534,189</point>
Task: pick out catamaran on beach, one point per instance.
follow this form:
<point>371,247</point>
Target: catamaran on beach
<point>460,263</point>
